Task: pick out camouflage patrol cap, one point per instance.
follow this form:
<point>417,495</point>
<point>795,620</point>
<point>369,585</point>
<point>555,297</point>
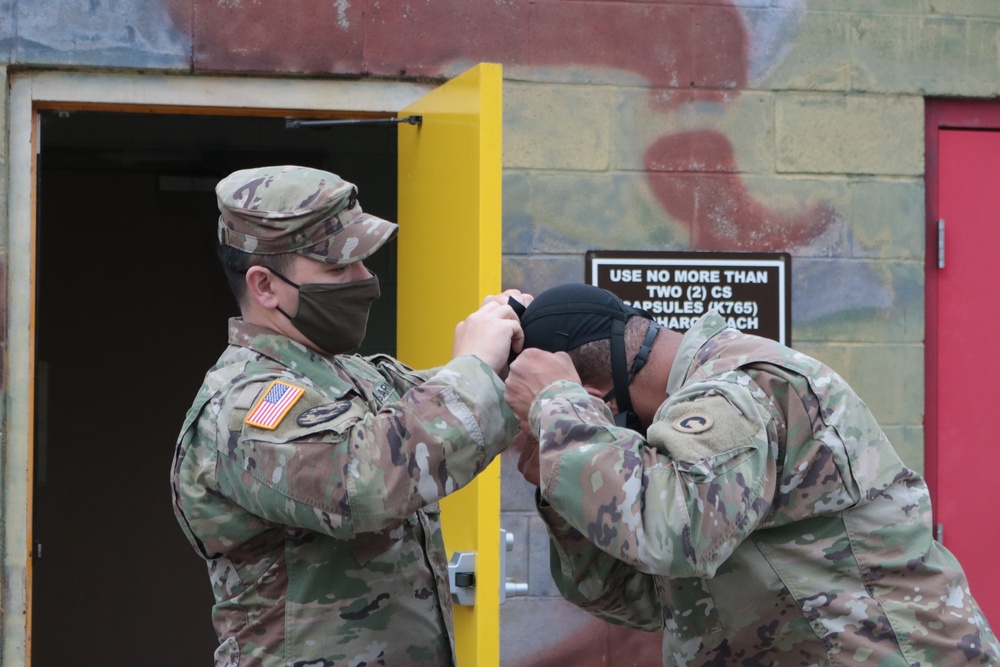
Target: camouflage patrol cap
<point>282,209</point>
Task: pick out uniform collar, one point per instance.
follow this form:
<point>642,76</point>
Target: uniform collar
<point>267,342</point>
<point>327,372</point>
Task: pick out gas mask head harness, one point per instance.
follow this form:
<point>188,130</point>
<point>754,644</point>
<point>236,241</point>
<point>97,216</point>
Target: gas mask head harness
<point>565,317</point>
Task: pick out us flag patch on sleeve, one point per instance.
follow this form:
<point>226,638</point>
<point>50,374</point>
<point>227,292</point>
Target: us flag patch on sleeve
<point>274,405</point>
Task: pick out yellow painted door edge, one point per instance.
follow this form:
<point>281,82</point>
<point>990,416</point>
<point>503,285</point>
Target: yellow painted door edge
<point>449,259</point>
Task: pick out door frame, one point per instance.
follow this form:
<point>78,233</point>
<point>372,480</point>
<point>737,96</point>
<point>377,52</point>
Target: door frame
<point>454,156</point>
<point>940,114</point>
<point>31,92</point>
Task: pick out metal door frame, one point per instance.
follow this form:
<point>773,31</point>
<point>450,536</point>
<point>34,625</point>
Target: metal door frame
<point>31,92</point>
<point>940,114</point>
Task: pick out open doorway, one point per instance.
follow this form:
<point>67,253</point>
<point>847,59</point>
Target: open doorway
<point>131,311</point>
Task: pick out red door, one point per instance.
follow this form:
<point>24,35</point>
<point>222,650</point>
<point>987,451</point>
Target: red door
<point>963,322</point>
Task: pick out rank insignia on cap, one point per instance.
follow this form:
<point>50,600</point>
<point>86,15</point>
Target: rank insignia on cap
<point>274,405</point>
<point>694,423</point>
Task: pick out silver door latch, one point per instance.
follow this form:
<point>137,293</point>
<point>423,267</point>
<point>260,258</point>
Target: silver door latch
<point>462,574</point>
<point>462,578</point>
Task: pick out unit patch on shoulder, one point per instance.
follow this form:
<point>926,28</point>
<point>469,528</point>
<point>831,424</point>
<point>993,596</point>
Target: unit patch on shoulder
<point>272,407</point>
<point>700,429</point>
<point>693,423</point>
<point>323,413</point>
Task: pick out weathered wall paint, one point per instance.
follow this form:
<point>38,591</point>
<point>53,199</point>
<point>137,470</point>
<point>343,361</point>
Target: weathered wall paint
<point>706,51</point>
<point>678,124</point>
<point>103,33</point>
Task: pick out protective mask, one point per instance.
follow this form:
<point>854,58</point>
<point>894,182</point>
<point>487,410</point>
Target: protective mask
<point>334,316</point>
<point>567,316</point>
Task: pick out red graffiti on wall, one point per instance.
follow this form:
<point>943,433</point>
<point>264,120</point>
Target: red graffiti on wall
<point>719,210</point>
<point>701,49</point>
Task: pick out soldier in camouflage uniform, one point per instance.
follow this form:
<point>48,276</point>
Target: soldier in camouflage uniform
<point>757,516</point>
<point>308,477</point>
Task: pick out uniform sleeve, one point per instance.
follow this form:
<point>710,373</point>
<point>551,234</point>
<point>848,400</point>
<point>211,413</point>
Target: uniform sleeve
<point>596,582</point>
<point>401,377</point>
<point>676,504</point>
<point>359,472</point>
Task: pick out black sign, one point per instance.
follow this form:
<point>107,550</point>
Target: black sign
<point>751,290</point>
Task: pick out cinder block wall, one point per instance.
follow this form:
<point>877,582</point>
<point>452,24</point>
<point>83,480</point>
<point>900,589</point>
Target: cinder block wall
<point>828,137</point>
<point>657,124</point>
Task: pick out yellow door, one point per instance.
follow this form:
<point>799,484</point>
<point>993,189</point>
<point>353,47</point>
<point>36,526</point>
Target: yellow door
<point>449,259</point>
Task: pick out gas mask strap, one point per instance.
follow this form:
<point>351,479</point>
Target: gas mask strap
<point>619,367</point>
<point>516,306</point>
<point>642,356</point>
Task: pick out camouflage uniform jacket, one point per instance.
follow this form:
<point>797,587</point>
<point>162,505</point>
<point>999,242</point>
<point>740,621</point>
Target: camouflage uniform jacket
<point>322,535</point>
<point>764,520</point>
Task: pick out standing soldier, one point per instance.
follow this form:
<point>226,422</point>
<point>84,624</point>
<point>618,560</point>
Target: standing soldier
<point>308,477</point>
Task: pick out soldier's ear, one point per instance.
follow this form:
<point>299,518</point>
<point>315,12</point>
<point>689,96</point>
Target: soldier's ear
<point>260,286</point>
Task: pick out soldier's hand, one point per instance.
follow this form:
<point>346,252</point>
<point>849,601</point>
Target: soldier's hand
<point>532,371</point>
<point>490,333</point>
<point>526,445</point>
<point>521,297</point>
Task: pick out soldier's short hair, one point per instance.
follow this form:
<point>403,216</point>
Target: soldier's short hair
<point>236,263</point>
<point>593,360</point>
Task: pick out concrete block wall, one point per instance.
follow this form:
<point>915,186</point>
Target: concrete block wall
<point>830,140</point>
<point>766,125</point>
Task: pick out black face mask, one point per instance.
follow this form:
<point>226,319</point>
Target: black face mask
<point>565,317</point>
<point>334,316</point>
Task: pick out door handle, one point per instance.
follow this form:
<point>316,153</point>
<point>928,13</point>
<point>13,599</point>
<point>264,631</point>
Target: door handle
<point>462,575</point>
<point>509,588</point>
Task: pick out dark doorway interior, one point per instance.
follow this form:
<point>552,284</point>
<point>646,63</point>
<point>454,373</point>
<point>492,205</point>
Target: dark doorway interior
<point>131,311</point>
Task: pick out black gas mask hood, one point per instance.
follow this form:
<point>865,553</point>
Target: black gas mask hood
<point>567,316</point>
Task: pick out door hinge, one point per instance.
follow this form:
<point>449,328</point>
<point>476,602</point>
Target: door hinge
<point>940,239</point>
<point>939,533</point>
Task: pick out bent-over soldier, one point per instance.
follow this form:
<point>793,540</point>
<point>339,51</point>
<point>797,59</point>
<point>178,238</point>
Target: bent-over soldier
<point>732,493</point>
